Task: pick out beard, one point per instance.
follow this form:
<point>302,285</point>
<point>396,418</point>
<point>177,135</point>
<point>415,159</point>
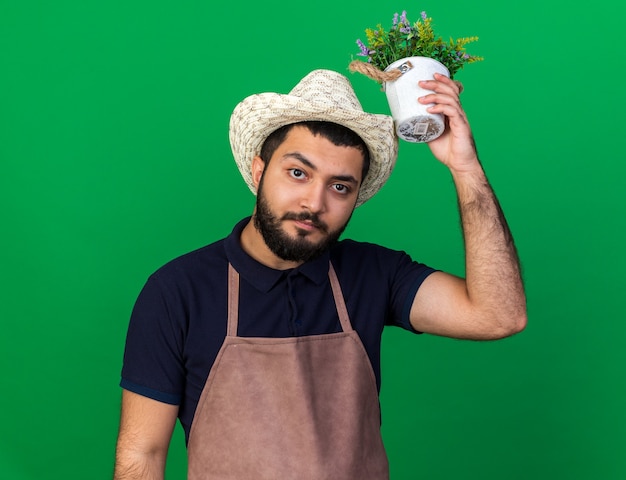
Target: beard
<point>300,248</point>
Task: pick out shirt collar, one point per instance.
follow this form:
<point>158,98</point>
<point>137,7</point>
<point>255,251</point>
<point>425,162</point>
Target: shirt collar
<point>262,277</point>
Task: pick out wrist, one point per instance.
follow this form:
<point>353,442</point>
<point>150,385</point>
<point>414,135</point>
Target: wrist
<point>467,170</point>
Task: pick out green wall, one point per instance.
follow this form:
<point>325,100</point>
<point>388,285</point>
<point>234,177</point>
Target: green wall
<point>114,158</point>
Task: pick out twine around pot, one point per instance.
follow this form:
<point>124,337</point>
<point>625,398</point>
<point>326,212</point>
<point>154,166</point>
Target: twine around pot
<point>375,73</point>
<point>381,76</point>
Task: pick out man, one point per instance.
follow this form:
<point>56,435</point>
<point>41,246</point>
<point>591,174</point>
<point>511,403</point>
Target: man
<point>266,345</point>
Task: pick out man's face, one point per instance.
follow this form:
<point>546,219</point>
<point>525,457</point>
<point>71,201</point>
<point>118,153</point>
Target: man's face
<point>306,194</point>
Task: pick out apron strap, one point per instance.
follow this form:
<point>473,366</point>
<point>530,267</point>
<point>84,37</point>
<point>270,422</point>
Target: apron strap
<point>340,303</point>
<point>233,300</point>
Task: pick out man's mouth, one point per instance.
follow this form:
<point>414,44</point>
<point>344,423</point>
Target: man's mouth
<point>306,221</point>
<point>306,224</point>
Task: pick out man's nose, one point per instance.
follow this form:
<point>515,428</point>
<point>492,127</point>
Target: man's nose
<point>314,198</point>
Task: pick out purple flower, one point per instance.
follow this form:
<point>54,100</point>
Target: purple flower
<point>424,16</point>
<point>365,52</point>
<point>395,19</point>
<point>403,19</point>
<point>406,29</point>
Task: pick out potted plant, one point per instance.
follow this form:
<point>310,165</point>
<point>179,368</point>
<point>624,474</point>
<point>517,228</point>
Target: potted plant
<point>402,56</point>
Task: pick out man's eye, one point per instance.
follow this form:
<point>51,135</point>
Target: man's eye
<point>297,173</point>
<point>341,188</point>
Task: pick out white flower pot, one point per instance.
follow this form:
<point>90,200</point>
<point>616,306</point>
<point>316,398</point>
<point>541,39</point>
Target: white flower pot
<point>413,123</point>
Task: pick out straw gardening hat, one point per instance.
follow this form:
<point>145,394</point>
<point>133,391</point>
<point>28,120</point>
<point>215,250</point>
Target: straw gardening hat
<point>322,95</point>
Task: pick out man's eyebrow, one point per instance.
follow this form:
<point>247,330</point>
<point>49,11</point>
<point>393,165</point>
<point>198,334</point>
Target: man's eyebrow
<point>302,158</point>
<point>308,163</point>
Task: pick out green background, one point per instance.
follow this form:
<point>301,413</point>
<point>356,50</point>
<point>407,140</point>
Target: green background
<point>114,158</point>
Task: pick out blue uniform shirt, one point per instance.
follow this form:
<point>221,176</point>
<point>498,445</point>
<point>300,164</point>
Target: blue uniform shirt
<point>179,320</point>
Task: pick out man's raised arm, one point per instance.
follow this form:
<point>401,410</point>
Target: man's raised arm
<point>490,302</point>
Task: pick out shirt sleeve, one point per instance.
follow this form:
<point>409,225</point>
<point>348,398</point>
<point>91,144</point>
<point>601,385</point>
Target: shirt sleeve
<point>406,280</point>
<point>153,361</point>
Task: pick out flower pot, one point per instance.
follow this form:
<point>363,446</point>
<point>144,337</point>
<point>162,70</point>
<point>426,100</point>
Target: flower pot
<point>413,123</point>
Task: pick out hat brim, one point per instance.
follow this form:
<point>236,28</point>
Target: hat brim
<point>257,116</point>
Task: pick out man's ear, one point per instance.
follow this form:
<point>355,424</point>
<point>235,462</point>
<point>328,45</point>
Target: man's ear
<point>257,167</point>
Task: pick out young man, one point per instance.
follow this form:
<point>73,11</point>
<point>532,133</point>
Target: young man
<point>266,345</point>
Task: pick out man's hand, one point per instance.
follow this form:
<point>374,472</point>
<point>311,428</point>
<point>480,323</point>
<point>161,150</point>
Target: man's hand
<point>455,148</point>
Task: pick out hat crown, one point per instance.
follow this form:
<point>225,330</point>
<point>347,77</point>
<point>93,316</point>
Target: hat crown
<point>327,87</point>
